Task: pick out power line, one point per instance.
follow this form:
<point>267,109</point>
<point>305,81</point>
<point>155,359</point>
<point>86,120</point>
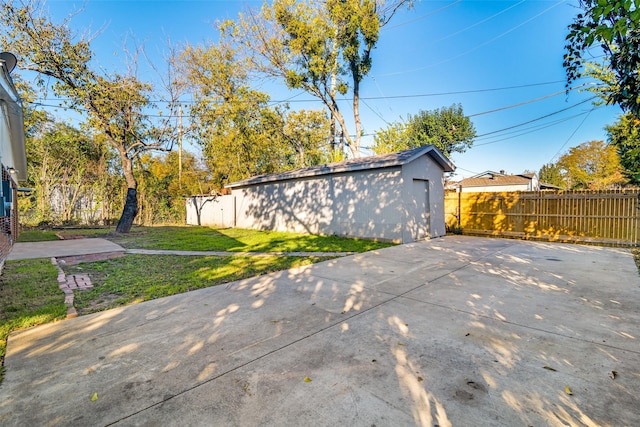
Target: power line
<point>476,114</point>
<point>476,24</point>
<point>572,134</point>
<point>426,15</point>
<point>375,112</point>
<point>538,118</point>
<point>551,95</point>
<point>366,98</point>
<point>444,61</point>
<point>520,132</point>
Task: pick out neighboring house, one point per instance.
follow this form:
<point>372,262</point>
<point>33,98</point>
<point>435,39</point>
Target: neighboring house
<point>396,197</point>
<point>13,158</point>
<point>490,181</point>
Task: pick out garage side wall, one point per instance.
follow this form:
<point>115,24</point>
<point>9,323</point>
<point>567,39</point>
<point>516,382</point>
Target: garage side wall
<point>358,204</point>
<point>424,169</point>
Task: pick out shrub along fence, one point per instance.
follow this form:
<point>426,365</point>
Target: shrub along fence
<point>604,217</point>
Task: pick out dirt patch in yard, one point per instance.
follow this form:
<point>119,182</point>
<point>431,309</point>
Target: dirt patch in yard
<point>103,302</point>
<point>74,260</point>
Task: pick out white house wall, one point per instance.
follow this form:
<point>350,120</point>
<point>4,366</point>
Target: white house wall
<point>356,203</point>
<point>12,149</point>
<point>497,188</point>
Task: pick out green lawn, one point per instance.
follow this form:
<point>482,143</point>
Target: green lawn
<point>237,240</point>
<point>41,235</point>
<point>195,238</point>
<point>37,235</point>
<point>29,296</point>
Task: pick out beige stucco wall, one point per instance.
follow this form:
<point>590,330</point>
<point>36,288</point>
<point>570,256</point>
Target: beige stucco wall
<point>359,204</point>
<point>401,203</point>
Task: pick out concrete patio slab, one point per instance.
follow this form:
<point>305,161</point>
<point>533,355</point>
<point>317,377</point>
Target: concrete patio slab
<point>453,331</point>
<point>62,248</point>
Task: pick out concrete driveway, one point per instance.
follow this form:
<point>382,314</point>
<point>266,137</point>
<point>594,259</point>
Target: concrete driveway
<point>455,331</point>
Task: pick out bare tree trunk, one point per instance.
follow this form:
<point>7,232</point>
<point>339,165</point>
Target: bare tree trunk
<point>131,202</point>
<point>355,146</point>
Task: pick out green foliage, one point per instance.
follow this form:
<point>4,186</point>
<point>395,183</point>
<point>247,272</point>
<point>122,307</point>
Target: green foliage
<point>323,48</point>
<point>65,165</point>
<point>29,296</point>
<point>162,189</point>
<point>592,165</point>
<point>614,26</point>
<point>551,173</point>
<point>391,139</point>
<point>624,134</point>
<point>447,128</point>
<point>240,133</point>
<point>306,134</point>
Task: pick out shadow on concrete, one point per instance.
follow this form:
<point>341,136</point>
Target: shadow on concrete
<point>454,331</point>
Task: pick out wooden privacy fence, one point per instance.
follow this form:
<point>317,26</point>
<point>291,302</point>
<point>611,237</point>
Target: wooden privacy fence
<point>607,217</point>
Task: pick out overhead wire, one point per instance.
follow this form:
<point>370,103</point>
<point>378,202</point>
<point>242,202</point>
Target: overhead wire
<point>572,134</point>
<point>537,119</point>
<point>475,24</point>
<point>535,128</point>
<point>444,61</point>
<point>385,121</point>
<point>419,18</point>
<point>551,95</point>
<point>370,98</point>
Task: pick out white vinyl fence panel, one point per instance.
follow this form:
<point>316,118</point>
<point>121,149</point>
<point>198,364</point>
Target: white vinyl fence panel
<point>217,211</point>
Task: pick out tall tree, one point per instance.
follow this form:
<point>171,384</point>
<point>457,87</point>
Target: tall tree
<point>552,174</point>
<point>624,134</point>
<point>233,123</point>
<point>115,104</point>
<point>323,48</point>
<point>592,165</point>
<point>241,134</point>
<point>306,131</point>
<point>447,128</point>
<point>614,26</point>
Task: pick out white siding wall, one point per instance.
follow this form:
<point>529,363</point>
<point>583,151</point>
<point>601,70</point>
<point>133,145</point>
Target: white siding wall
<point>359,204</point>
<point>216,211</point>
<point>496,188</point>
<point>12,148</point>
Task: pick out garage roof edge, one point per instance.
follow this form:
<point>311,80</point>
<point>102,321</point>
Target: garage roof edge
<point>399,158</point>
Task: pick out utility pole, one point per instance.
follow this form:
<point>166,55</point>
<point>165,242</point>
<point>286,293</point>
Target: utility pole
<point>180,147</point>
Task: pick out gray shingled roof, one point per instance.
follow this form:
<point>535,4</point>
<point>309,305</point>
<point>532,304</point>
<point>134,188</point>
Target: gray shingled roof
<point>363,163</point>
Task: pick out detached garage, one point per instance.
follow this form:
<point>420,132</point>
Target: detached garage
<point>396,197</point>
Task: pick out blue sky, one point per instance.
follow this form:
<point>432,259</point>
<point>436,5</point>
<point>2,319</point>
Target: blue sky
<point>502,60</point>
